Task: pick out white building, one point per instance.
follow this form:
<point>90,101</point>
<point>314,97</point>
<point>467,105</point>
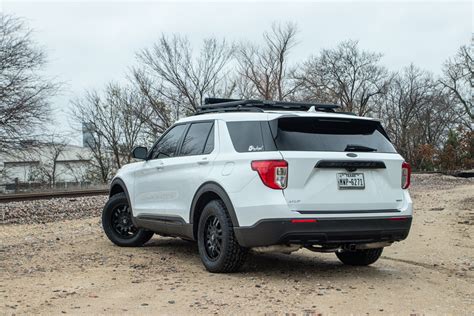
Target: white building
<point>46,164</point>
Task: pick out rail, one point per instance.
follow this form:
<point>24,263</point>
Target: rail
<point>50,195</point>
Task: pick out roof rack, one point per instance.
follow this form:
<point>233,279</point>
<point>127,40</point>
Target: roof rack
<point>233,105</point>
<point>238,108</point>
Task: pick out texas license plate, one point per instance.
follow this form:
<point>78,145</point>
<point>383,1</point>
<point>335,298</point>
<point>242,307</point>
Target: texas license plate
<point>350,180</point>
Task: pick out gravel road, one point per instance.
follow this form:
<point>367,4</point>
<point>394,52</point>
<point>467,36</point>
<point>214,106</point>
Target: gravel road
<point>55,259</point>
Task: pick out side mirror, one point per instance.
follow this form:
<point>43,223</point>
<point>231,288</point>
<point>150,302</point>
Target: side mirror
<point>140,153</point>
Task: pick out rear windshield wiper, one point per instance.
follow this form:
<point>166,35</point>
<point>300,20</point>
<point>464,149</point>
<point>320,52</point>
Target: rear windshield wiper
<point>352,147</point>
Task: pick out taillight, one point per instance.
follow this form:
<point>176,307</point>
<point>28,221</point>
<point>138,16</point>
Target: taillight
<point>406,175</point>
<point>274,173</point>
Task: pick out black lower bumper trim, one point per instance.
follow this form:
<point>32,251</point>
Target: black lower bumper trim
<point>326,231</point>
<point>350,212</point>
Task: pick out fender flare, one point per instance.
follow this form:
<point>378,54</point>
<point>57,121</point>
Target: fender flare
<point>219,191</point>
<point>120,183</point>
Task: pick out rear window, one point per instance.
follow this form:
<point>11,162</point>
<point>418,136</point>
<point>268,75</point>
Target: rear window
<point>310,134</point>
<point>330,134</point>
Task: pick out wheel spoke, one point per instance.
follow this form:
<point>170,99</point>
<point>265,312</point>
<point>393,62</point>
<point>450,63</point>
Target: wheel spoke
<point>122,222</point>
<point>213,237</point>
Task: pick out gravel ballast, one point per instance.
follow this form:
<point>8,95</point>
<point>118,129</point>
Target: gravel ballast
<point>51,210</point>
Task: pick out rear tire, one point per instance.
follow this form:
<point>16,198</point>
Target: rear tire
<point>118,225</point>
<point>218,247</point>
<point>360,257</point>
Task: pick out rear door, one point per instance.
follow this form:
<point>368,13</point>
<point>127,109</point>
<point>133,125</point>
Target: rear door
<point>185,173</point>
<point>338,165</point>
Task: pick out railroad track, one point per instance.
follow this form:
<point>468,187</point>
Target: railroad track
<point>49,195</point>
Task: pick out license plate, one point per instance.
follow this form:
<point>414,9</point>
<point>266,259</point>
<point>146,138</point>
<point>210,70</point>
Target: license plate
<point>350,180</point>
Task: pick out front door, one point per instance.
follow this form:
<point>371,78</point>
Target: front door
<point>153,194</point>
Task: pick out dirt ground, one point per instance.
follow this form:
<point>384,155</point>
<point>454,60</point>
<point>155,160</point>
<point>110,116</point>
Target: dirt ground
<point>68,266</point>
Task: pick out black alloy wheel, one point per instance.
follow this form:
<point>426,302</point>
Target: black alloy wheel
<point>118,223</point>
<point>218,247</point>
<point>213,237</point>
<point>122,222</point>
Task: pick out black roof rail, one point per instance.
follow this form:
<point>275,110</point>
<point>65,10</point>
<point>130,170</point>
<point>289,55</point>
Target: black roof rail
<point>237,108</point>
<point>218,105</point>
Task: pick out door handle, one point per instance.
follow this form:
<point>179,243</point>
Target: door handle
<point>203,161</point>
<point>159,167</point>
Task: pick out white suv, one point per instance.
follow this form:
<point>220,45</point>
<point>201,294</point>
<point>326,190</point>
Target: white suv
<point>273,176</point>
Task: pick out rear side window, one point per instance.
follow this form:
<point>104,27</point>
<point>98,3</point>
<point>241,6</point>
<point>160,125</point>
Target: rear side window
<point>168,144</point>
<point>195,141</point>
<point>330,134</point>
<point>250,136</point>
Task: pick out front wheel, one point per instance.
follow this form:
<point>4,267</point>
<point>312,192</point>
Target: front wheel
<point>218,247</point>
<point>118,225</point>
<point>362,257</point>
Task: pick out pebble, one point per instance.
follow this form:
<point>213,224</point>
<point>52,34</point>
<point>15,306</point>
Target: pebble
<point>51,210</point>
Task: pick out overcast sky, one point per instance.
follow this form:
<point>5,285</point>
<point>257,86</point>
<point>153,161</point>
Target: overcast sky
<point>92,43</point>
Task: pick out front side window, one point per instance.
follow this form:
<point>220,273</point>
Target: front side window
<point>167,145</point>
<point>195,140</point>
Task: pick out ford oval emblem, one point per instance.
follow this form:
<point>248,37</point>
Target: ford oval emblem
<point>351,155</point>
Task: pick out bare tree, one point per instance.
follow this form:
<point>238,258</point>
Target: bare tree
<point>79,171</point>
<point>345,75</point>
<point>435,120</point>
<point>156,115</point>
<point>101,114</point>
<point>131,108</point>
<point>408,95</point>
<point>264,69</point>
<point>458,79</point>
<point>24,93</point>
<point>49,154</point>
<point>101,164</point>
<point>185,79</point>
<point>113,122</point>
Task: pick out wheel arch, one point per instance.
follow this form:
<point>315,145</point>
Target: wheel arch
<point>118,186</point>
<point>207,192</point>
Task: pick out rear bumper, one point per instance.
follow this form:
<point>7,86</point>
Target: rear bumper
<point>325,231</point>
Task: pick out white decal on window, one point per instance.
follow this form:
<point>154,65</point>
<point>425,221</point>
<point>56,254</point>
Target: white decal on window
<point>255,148</point>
